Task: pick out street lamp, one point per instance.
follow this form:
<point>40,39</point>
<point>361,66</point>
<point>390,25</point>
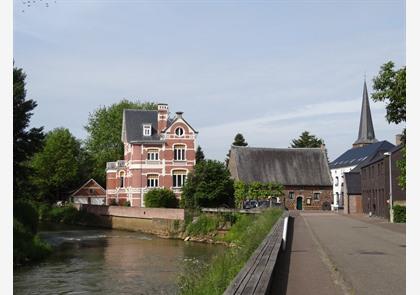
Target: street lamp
<point>391,212</point>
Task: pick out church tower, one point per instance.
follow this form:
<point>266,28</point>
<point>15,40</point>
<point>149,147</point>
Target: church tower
<point>366,131</point>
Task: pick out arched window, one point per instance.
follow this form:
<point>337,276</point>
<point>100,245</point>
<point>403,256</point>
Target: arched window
<point>122,175</point>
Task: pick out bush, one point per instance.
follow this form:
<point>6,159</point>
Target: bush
<point>203,225</point>
<point>399,213</point>
<point>160,198</point>
<point>26,213</point>
<point>27,246</point>
<point>209,185</point>
<point>127,204</point>
<point>70,215</point>
<point>113,203</point>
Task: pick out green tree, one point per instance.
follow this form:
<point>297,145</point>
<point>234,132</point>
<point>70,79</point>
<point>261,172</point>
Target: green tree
<point>199,155</point>
<point>209,185</point>
<point>239,140</point>
<point>241,193</point>
<point>26,141</point>
<point>390,86</point>
<point>104,134</point>
<point>306,140</point>
<point>160,198</point>
<point>58,168</point>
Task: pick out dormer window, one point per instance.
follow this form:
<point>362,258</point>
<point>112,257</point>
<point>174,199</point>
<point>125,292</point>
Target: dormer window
<point>147,130</point>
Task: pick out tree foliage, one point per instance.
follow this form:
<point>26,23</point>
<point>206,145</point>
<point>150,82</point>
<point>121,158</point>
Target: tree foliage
<point>255,190</point>
<point>199,155</point>
<point>402,167</point>
<point>239,140</point>
<point>209,185</point>
<point>59,167</point>
<point>306,140</point>
<point>390,87</point>
<point>25,141</point>
<point>160,198</point>
<point>104,134</point>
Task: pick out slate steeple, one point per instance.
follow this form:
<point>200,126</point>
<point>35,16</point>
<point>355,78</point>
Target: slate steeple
<point>366,131</point>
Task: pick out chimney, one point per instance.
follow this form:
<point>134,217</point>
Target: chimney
<point>162,116</point>
<point>179,115</point>
<point>398,139</point>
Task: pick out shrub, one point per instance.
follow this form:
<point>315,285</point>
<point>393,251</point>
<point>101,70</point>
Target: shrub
<point>399,213</point>
<point>203,225</point>
<point>160,198</point>
<point>26,213</point>
<point>127,204</point>
<point>113,203</point>
<point>27,246</point>
<point>209,185</point>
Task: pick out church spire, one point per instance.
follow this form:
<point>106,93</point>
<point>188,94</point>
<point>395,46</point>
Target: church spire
<point>366,131</point>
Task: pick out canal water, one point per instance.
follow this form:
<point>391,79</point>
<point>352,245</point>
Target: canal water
<point>93,261</point>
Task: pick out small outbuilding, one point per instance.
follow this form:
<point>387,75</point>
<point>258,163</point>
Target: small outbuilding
<point>89,193</point>
<point>303,172</point>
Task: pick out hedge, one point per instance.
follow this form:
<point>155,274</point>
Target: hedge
<point>399,214</point>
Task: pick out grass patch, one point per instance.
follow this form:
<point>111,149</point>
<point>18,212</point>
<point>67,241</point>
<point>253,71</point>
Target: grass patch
<point>247,233</point>
<point>203,225</point>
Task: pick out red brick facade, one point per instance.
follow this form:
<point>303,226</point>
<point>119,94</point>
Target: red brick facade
<point>312,197</point>
<point>162,163</point>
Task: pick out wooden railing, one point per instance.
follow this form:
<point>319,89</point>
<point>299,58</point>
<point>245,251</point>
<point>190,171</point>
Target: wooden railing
<point>255,277</point>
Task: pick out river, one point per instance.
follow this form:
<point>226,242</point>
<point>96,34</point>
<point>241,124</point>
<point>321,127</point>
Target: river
<point>89,261</point>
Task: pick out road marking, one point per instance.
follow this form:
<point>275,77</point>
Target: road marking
<point>336,275</point>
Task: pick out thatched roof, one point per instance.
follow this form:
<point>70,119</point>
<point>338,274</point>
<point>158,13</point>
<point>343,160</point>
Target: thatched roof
<point>287,166</point>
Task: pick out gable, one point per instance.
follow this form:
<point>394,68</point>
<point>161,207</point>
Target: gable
<point>91,187</point>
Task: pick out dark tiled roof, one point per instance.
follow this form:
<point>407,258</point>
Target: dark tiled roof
<point>289,166</point>
<point>380,155</point>
<point>356,156</point>
<point>353,183</point>
<point>133,121</point>
<point>366,131</point>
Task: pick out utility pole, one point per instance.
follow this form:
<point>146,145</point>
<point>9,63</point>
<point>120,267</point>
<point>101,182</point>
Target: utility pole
<point>391,210</point>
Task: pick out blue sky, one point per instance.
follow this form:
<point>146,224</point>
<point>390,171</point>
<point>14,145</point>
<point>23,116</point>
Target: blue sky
<point>267,69</point>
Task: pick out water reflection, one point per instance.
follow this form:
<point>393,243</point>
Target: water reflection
<point>90,261</point>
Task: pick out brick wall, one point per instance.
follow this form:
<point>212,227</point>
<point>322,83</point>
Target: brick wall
<point>135,212</point>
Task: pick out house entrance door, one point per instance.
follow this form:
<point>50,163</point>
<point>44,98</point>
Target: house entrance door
<point>299,203</point>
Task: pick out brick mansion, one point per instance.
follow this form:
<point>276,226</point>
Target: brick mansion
<point>159,151</point>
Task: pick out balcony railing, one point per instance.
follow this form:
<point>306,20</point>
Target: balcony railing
<point>115,165</point>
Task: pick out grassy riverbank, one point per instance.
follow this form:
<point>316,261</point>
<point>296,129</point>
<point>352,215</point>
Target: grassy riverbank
<point>246,233</point>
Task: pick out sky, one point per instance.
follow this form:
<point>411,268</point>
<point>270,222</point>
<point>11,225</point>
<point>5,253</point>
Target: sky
<point>267,69</point>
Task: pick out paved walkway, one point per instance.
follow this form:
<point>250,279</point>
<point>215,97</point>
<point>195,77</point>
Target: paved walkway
<point>330,253</point>
<point>301,270</point>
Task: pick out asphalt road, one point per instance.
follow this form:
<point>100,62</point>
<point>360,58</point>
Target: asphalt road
<point>365,258</point>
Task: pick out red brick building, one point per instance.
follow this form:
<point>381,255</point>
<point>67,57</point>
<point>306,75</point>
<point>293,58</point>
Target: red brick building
<point>158,153</point>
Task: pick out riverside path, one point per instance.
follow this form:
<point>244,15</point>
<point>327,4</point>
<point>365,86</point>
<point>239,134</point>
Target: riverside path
<point>328,253</point>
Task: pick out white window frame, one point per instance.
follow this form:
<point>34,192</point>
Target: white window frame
<point>152,180</point>
<point>182,131</point>
<point>319,196</point>
<point>153,155</point>
<point>180,152</point>
<point>121,179</point>
<point>178,178</point>
<point>147,130</point>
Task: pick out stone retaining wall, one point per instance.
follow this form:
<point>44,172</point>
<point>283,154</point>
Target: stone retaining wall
<point>159,221</point>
